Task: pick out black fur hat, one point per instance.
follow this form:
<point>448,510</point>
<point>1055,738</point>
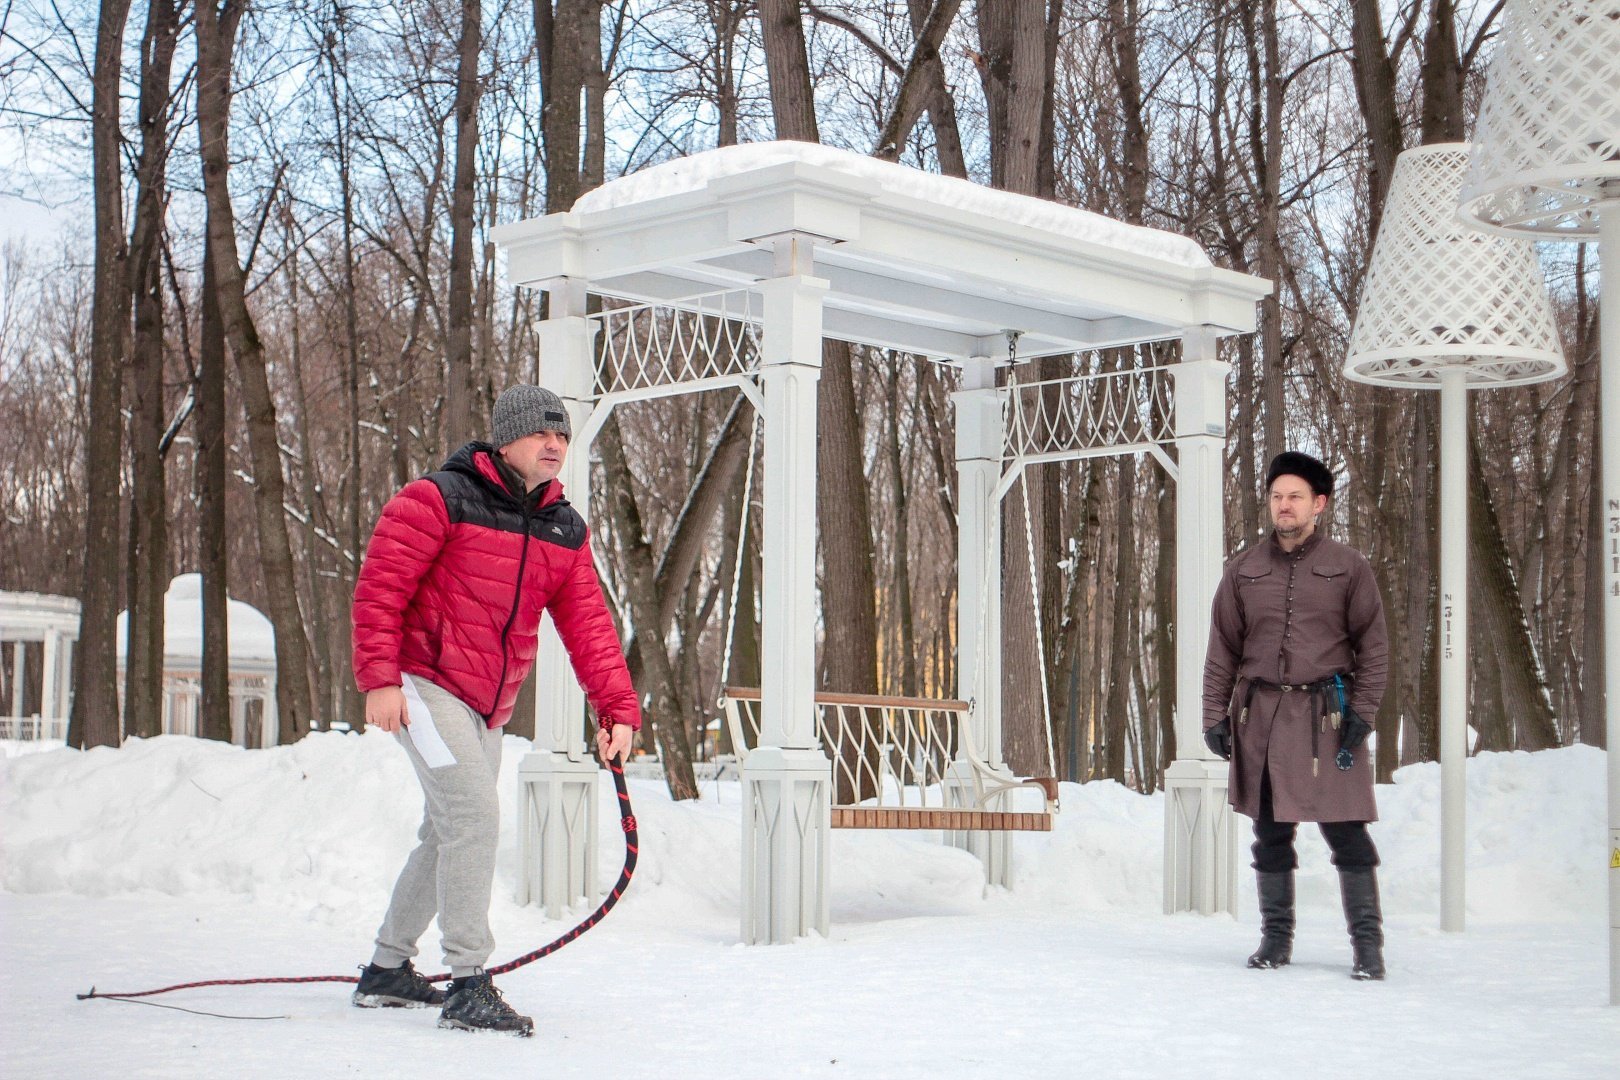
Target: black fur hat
<point>1307,468</point>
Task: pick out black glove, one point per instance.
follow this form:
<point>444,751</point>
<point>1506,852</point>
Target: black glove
<point>1353,731</point>
<point>1219,739</point>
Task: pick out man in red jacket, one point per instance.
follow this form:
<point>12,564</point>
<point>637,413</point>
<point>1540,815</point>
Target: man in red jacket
<point>446,626</point>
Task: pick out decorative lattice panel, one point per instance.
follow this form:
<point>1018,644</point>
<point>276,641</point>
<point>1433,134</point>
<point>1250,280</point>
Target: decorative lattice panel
<point>1440,294</point>
<point>1549,129</point>
<point>1068,417</point>
<point>896,750</point>
<point>698,341</point>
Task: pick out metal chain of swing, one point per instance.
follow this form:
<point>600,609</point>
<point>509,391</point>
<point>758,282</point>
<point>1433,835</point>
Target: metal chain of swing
<point>742,553</point>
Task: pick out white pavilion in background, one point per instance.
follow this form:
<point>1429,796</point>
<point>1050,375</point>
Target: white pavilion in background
<point>37,632</point>
<point>252,665</point>
<point>728,270</point>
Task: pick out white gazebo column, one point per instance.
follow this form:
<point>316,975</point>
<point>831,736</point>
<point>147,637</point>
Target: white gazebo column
<point>980,452</point>
<point>18,652</point>
<point>787,779</point>
<point>1200,832</point>
<point>64,683</point>
<point>49,680</point>
<point>557,779</point>
<point>1453,645</point>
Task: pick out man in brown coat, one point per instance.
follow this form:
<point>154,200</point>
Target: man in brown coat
<point>1297,657</point>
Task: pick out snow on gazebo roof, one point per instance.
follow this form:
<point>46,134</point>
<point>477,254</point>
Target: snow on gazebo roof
<point>23,615</point>
<point>916,261</point>
<point>252,639</point>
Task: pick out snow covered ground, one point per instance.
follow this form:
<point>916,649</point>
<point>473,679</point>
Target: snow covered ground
<point>174,859</point>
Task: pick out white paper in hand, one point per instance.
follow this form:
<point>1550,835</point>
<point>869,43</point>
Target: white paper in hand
<point>424,735</point>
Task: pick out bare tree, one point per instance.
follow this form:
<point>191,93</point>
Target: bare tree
<point>95,719</point>
<point>458,371</point>
<point>148,502</point>
<point>217,25</point>
<point>843,513</point>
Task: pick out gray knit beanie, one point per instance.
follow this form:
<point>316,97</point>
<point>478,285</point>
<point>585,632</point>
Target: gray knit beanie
<point>524,410</point>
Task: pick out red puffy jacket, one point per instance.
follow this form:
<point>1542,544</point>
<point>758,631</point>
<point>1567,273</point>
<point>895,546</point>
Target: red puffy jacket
<point>454,581</point>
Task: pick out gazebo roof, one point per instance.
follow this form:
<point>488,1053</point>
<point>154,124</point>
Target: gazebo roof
<point>924,263</point>
<point>27,615</point>
<point>252,639</point>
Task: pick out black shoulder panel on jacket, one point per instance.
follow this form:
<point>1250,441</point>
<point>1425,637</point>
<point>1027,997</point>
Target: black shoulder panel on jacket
<point>468,501</point>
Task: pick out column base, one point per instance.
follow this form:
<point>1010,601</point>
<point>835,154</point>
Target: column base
<point>993,849</point>
<point>787,801</point>
<point>1200,839</point>
<point>556,831</point>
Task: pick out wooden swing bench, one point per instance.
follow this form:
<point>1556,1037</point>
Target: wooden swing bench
<point>903,750</point>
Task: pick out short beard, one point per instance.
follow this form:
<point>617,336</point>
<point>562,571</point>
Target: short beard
<point>1291,533</point>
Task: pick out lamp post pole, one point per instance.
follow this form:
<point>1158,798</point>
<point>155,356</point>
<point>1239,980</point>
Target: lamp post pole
<point>1453,644</point>
<point>1609,442</point>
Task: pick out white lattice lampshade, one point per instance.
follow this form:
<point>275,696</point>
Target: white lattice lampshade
<point>1441,295</point>
<point>1547,148</point>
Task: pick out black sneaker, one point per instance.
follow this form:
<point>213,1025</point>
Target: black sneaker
<point>474,1004</point>
<point>395,988</point>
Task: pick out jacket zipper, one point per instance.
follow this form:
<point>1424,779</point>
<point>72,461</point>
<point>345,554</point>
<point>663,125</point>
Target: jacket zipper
<point>517,598</point>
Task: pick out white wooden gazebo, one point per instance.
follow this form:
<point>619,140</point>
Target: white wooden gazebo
<point>252,650</point>
<point>761,252</point>
<point>35,706</point>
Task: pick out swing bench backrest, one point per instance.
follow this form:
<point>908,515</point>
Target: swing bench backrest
<point>903,763</point>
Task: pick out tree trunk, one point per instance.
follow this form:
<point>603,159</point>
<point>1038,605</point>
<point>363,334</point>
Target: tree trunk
<point>1012,36</point>
<point>1375,90</point>
<point>458,418</point>
<point>1443,117</point>
<point>1594,719</point>
<point>902,533</point>
<point>1121,649</point>
<point>350,701</point>
<point>916,85</point>
<point>940,104</point>
<point>95,720</point>
<point>1165,629</point>
<point>793,102</point>
<point>213,539</point>
<point>216,42</point>
<point>1502,635</point>
<point>148,504</point>
<point>1265,147</point>
<point>330,659</point>
<point>560,40</point>
<point>656,677</point>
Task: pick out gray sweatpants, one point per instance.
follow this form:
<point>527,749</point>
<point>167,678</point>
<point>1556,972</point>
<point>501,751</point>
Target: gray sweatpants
<point>452,869</point>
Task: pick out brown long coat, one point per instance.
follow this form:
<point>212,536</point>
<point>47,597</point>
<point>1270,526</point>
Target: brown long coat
<point>1296,617</point>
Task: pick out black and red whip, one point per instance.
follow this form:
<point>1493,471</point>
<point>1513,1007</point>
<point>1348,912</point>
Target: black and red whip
<point>626,819</point>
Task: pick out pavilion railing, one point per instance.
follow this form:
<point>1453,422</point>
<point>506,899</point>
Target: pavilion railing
<point>893,749</point>
<point>1106,412</point>
<point>700,340</point>
<point>34,728</point>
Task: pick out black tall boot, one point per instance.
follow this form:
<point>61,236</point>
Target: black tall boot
<point>1276,890</point>
<point>1364,919</point>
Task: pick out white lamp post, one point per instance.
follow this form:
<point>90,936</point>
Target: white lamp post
<point>1446,307</point>
<point>1547,166</point>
